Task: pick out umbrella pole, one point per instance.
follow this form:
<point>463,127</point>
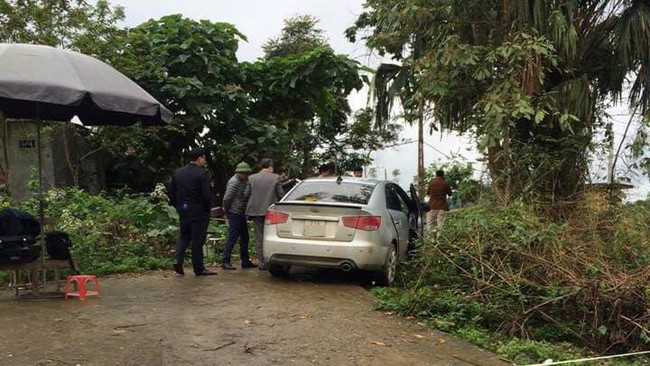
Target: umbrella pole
<point>41,212</point>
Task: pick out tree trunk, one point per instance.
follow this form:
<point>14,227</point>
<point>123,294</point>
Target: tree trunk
<point>496,167</point>
<point>4,166</point>
<point>73,168</point>
<point>220,178</point>
<point>305,148</point>
<point>306,161</point>
<point>421,182</point>
<point>507,194</point>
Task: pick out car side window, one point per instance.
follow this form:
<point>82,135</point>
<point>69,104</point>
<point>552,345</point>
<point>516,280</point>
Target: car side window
<point>404,200</point>
<point>392,199</point>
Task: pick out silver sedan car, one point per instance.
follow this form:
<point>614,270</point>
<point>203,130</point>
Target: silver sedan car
<point>345,223</point>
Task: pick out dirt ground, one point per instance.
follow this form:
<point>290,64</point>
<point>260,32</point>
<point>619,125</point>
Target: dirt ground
<point>234,318</point>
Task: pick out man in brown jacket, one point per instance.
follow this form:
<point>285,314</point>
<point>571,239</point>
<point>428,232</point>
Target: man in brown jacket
<point>438,191</point>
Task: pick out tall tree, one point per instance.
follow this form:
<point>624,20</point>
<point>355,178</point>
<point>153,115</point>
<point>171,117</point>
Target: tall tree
<point>191,67</point>
<point>306,93</point>
<point>300,34</point>
<point>306,85</point>
<point>529,78</point>
<point>353,147</point>
<point>55,22</point>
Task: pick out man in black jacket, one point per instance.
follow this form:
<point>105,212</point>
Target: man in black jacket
<point>189,193</point>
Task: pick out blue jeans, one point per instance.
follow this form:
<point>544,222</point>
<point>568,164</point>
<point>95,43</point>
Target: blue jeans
<point>237,229</point>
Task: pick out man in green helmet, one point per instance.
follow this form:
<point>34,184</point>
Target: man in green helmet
<point>234,205</point>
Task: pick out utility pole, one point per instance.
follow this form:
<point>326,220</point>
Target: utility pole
<point>421,183</point>
<point>610,164</point>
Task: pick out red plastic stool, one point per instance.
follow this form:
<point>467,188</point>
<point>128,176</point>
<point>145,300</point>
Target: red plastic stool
<point>82,290</point>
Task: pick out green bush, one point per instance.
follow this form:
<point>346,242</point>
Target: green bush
<point>112,234</point>
<point>533,285</point>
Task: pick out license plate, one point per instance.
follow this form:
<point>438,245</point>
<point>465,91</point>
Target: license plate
<point>314,229</point>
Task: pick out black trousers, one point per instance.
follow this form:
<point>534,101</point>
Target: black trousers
<point>193,231</point>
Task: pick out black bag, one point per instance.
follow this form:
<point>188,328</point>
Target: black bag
<point>14,223</point>
<point>57,245</point>
<point>18,249</point>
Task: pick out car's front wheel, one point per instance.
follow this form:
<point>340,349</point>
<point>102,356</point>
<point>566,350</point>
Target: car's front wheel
<point>278,270</point>
<point>387,275</point>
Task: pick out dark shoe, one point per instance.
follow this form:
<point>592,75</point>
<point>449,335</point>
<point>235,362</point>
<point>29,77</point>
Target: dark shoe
<point>228,266</point>
<point>248,264</point>
<point>179,269</point>
<point>205,272</point>
<point>261,267</point>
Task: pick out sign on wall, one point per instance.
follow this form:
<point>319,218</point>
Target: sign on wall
<point>27,144</point>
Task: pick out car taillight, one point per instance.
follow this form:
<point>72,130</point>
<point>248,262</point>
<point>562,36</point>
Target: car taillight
<point>276,217</point>
<point>367,223</point>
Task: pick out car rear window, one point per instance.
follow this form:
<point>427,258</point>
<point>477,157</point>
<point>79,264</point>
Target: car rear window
<point>331,192</point>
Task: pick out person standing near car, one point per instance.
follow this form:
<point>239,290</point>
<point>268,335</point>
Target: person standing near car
<point>262,191</point>
<point>189,193</point>
<point>234,205</point>
<point>286,182</point>
<point>438,191</point>
<point>326,170</point>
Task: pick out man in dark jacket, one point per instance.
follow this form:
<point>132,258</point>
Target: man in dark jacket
<point>326,170</point>
<point>234,205</point>
<point>189,193</point>
<point>285,182</point>
<point>262,191</point>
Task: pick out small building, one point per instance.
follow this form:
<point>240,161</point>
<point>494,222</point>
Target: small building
<point>66,157</point>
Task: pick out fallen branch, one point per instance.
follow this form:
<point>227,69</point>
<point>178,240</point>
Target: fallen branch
<point>644,329</point>
<point>130,326</point>
<point>220,346</point>
<point>550,301</point>
<point>467,361</point>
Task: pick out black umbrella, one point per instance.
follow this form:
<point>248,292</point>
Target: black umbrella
<point>42,82</point>
<point>47,83</point>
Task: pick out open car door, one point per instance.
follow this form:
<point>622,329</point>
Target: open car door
<point>417,206</point>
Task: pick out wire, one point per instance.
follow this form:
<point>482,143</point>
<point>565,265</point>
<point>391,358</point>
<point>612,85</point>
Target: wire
<point>426,143</point>
<point>590,359</point>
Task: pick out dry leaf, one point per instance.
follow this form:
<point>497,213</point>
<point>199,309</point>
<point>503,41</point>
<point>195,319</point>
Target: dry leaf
<point>418,336</point>
<point>410,317</point>
<point>248,322</point>
<point>441,341</point>
<point>421,324</point>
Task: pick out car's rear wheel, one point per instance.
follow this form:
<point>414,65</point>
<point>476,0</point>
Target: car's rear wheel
<point>277,270</point>
<point>387,275</point>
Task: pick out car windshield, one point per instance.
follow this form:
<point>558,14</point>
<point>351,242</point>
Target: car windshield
<point>314,191</point>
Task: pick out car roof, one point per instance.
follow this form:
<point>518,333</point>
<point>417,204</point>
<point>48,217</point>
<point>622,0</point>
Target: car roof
<point>345,179</point>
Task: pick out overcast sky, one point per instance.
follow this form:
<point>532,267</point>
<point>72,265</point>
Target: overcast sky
<point>260,20</point>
